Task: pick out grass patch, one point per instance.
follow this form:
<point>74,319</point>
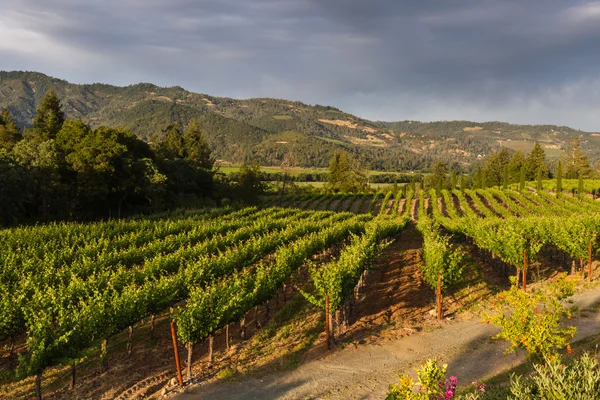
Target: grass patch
<point>226,373</point>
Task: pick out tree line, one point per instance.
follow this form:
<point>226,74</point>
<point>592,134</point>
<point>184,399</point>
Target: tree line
<point>64,169</point>
<point>504,167</point>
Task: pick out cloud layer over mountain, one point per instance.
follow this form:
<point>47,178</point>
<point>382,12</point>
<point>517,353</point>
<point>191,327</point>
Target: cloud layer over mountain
<point>531,61</point>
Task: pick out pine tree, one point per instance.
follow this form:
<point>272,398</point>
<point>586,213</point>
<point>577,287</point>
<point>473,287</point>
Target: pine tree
<point>172,145</point>
<point>346,175</point>
<point>539,180</point>
<point>576,160</point>
<point>198,150</point>
<point>536,161</point>
<point>49,117</point>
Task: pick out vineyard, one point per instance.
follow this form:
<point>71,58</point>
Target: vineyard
<point>67,290</point>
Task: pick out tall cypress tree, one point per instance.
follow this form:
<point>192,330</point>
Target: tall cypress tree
<point>559,179</point>
<point>522,180</point>
<point>49,117</point>
<point>539,180</point>
<point>505,178</point>
<point>453,180</point>
<point>477,178</point>
<point>461,182</point>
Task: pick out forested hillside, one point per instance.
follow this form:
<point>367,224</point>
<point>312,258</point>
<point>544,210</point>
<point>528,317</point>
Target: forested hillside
<point>264,130</point>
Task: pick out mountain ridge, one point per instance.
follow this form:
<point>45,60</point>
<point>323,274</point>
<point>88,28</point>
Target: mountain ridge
<point>266,129</point>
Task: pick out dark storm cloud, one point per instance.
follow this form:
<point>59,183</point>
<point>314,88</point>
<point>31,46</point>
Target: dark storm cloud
<point>530,61</point>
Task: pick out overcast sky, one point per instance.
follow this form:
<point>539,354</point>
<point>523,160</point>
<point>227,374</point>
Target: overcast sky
<point>522,61</point>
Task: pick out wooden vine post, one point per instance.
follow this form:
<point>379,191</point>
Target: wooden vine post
<point>177,363</point>
<point>439,296</point>
<point>327,327</point>
<point>524,270</point>
<point>590,263</point>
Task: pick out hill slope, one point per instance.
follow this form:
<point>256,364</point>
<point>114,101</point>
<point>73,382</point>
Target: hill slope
<point>266,129</point>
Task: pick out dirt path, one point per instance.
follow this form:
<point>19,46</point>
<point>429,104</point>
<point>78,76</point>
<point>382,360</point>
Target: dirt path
<point>366,371</point>
<point>357,201</point>
<point>414,210</point>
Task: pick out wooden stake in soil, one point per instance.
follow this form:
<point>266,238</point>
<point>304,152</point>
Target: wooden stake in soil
<point>327,332</point>
<point>188,367</point>
<point>38,384</point>
<point>243,328</point>
<point>72,376</point>
<point>590,263</point>
<point>227,337</point>
<point>439,296</point>
<point>152,326</point>
<point>210,349</point>
<point>129,342</point>
<point>524,270</point>
<point>267,311</point>
<point>11,350</point>
<point>284,294</point>
<point>177,363</point>
<point>104,355</point>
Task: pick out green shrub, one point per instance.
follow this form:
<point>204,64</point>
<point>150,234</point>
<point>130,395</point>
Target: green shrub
<point>532,320</point>
<point>579,379</point>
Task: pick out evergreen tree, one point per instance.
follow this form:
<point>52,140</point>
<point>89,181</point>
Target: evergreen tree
<point>477,178</point>
<point>517,161</point>
<point>10,134</point>
<point>453,180</point>
<point>522,180</point>
<point>461,182</point>
<point>536,161</point>
<point>438,176</point>
<point>493,167</point>
<point>539,179</point>
<point>345,174</point>
<point>250,186</point>
<point>49,117</point>
<point>16,189</point>
<point>198,150</point>
<point>559,179</point>
<point>576,161</point>
<point>505,178</point>
<point>172,144</point>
